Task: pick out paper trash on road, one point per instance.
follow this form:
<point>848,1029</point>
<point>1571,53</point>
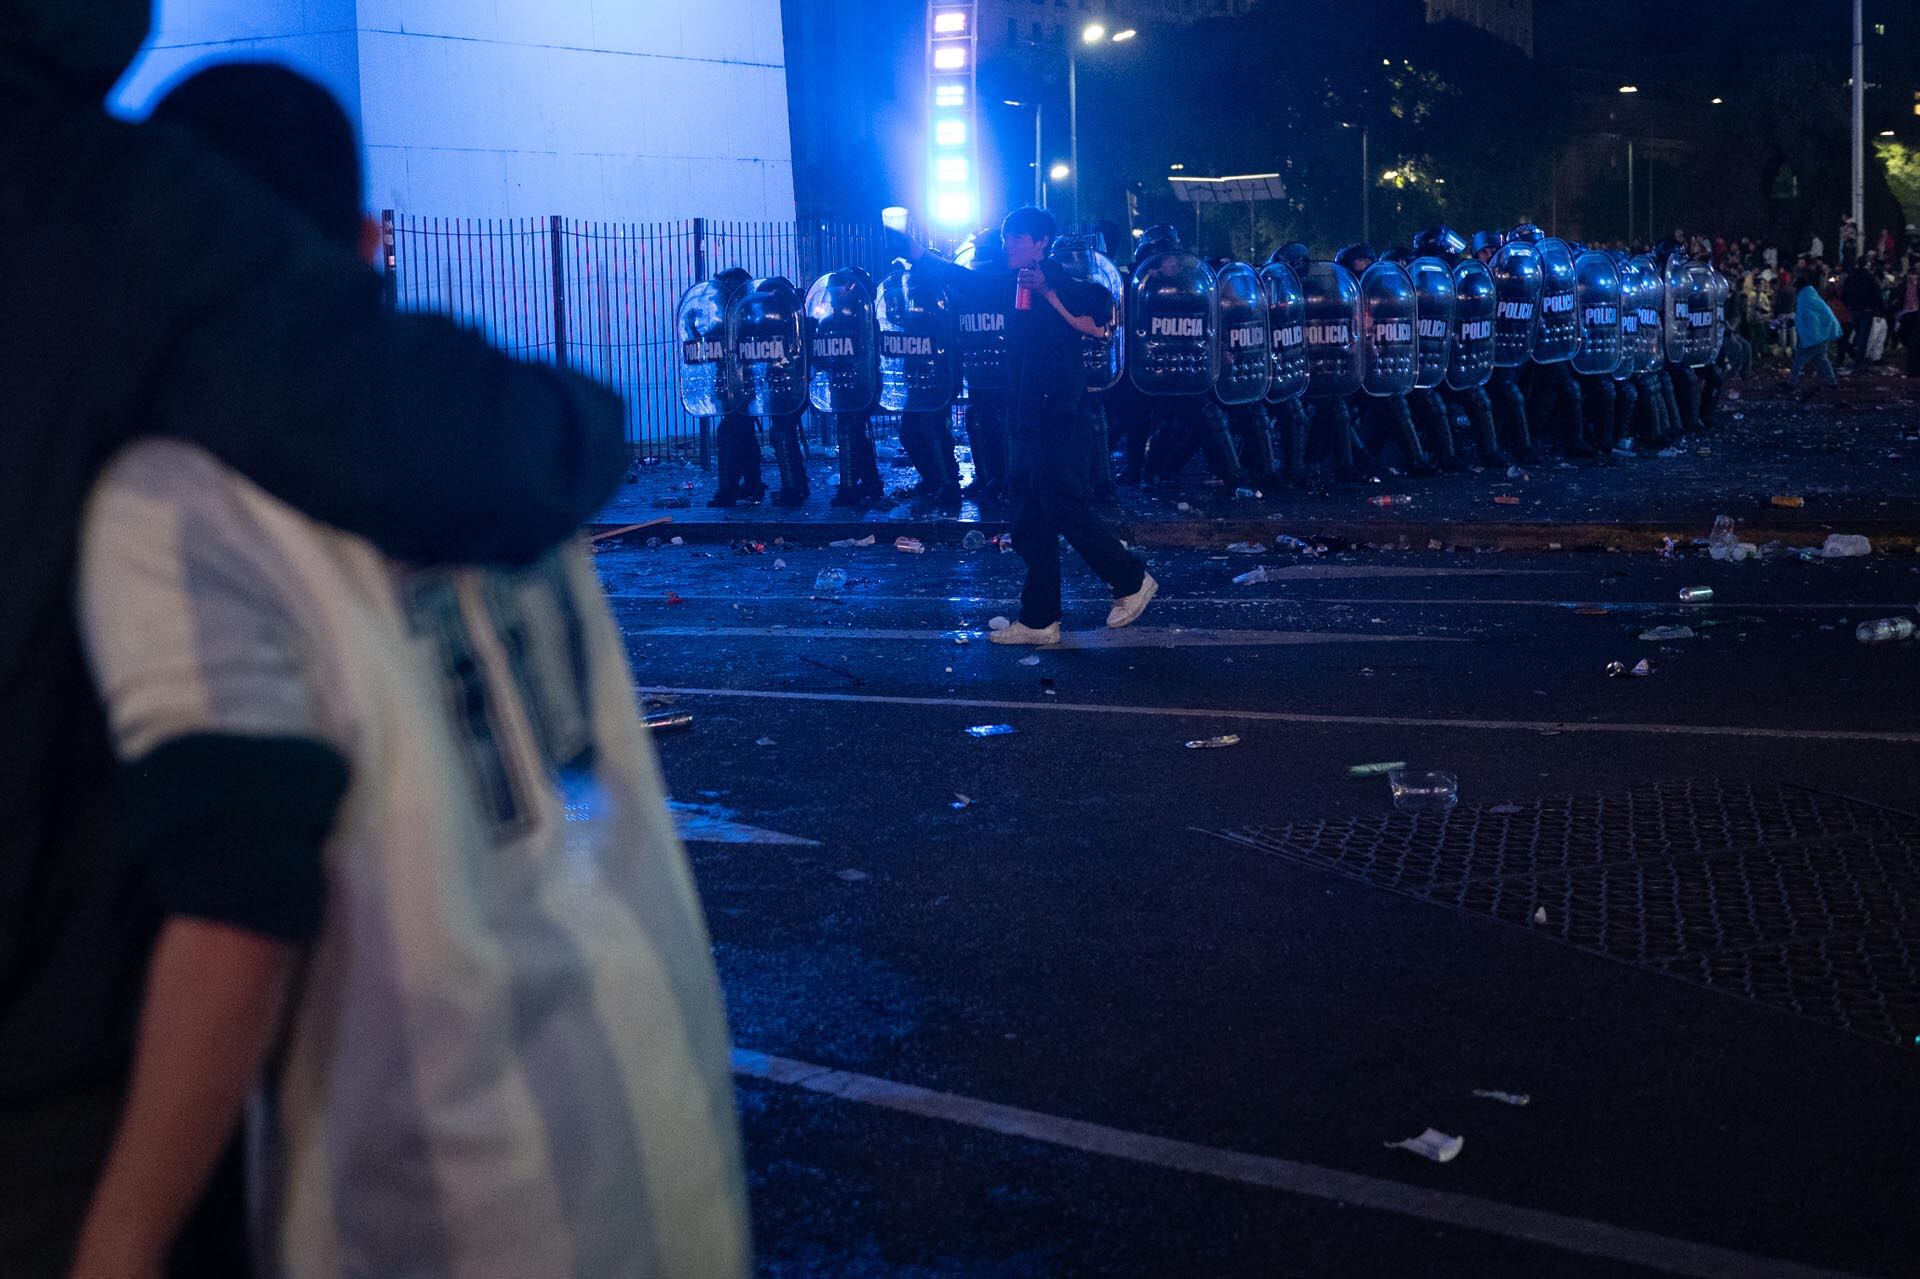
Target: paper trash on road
<point>910,545</point>
<point>1504,1098</point>
<point>1214,743</point>
<point>990,730</point>
<point>1431,1144</point>
<point>1245,548</point>
<point>1643,667</point>
<point>1839,546</point>
<point>960,801</point>
<point>765,741</point>
<point>1659,633</point>
<point>1539,914</point>
<point>1031,659</point>
<point>1376,770</point>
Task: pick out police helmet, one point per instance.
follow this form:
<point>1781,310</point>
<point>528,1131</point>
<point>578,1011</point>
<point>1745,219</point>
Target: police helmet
<point>1398,253</point>
<point>988,249</point>
<point>1294,254</point>
<point>1354,253</point>
<point>1441,241</point>
<point>1487,242</point>
<point>1527,231</point>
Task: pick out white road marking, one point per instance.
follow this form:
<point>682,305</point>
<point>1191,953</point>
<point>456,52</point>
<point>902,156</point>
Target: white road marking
<point>1301,717</point>
<point>1253,600</point>
<point>1125,637</point>
<point>1470,1212</point>
<point>711,824</point>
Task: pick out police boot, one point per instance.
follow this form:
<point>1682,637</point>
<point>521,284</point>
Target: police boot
<point>1250,423</point>
<point>1596,397</point>
<point>787,456</point>
<point>915,441</point>
<point>1434,422</point>
<point>1293,431</point>
<point>1399,423</point>
<point>947,496</point>
<point>1171,442</point>
<point>1480,416</point>
<point>1676,423</point>
<point>1573,419</point>
<point>1686,392</point>
<point>1216,440</point>
<point>1333,416</point>
<point>1711,380</point>
<point>987,438</point>
<point>1510,412</point>
<point>1626,403</point>
<point>1100,447</point>
<point>737,454</point>
<point>844,428</point>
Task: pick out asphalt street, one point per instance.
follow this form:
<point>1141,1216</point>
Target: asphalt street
<point>1080,1000</point>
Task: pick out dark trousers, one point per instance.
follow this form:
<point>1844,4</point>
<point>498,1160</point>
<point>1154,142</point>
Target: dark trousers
<point>1862,332</point>
<point>987,439</point>
<point>1910,341</point>
<point>1051,501</point>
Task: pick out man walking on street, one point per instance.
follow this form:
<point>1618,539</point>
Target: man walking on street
<point>1051,312</point>
<point>1861,293</point>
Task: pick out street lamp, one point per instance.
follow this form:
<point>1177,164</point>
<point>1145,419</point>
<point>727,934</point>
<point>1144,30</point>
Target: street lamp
<point>1059,172</point>
<point>1629,88</point>
<point>1091,34</point>
<point>1366,184</point>
<point>1039,182</point>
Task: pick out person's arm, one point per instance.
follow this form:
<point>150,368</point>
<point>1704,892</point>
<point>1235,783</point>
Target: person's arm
<point>215,996</point>
<point>192,628</point>
<point>281,358</point>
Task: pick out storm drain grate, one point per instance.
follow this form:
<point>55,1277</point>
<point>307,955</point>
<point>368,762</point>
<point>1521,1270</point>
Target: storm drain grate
<point>1790,897</point>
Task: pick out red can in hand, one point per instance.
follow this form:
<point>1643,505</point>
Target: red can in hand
<point>1022,298</point>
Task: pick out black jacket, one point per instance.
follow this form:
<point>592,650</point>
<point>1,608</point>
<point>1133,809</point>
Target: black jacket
<point>1045,356</point>
<point>153,290</point>
<point>1861,292</point>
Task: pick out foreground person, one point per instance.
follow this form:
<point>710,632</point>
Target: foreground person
<point>424,902</point>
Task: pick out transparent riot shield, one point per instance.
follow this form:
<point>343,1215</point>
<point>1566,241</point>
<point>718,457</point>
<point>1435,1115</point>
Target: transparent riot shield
<point>1719,291</point>
<point>767,342</point>
<point>1650,305</point>
<point>843,371</point>
<point>1173,333</point>
<point>1105,357</point>
<point>919,366</point>
<point>1287,326</point>
<point>1387,316</point>
<point>1625,366</point>
<point>1516,285</point>
<point>1333,330</point>
<point>1558,335</point>
<point>1433,320</point>
<point>982,315</point>
<point>709,378</point>
<point>1597,302</point>
<point>1475,301</point>
<point>1246,345</point>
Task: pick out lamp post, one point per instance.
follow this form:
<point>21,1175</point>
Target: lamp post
<point>1366,183</point>
<point>1859,134</point>
<point>1039,172</point>
<point>1091,34</point>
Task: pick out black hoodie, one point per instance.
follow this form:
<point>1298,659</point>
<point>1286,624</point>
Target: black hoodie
<point>153,290</point>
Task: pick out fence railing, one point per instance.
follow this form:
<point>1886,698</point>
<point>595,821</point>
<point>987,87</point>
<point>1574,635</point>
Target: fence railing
<point>599,297</point>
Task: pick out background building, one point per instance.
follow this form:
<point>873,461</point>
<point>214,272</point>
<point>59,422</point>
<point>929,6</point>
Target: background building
<point>1509,20</point>
<point>627,111</point>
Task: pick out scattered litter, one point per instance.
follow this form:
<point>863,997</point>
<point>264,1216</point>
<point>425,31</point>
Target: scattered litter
<point>910,545</point>
<point>1591,610</point>
<point>1183,507</point>
<point>779,563</point>
<point>1695,594</point>
<point>1032,659</point>
<point>1840,546</point>
<point>1433,544</point>
<point>961,639</point>
<point>668,721</point>
<point>868,540</point>
<point>1390,499</point>
<point>850,875</point>
<point>1642,668</point>
<point>1046,686</point>
<point>1506,499</point>
<point>1539,914</point>
<point>1724,538</point>
<point>998,623</point>
<point>974,540</point>
<point>1505,810</point>
<point>1434,792</point>
<point>1671,452</point>
<point>1247,493</point>
<point>1504,1098</point>
<point>1616,669</point>
<point>749,548</point>
<point>830,579</point>
<point>673,597</point>
<point>1375,770</point>
<point>765,741</point>
<point>1661,633</point>
<point>1668,548</point>
<point>1431,1144</point>
<point>990,730</point>
<point>1623,449</point>
<point>1214,743</point>
<point>1251,577</point>
<point>1516,473</point>
<point>959,801</point>
<point>1286,542</point>
<point>678,541</point>
<point>1886,630</point>
<point>1792,501</point>
<point>1246,548</point>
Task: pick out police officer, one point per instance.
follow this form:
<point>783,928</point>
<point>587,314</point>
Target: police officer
<point>1129,411</point>
<point>1508,402</point>
<point>1385,418</point>
<point>736,440</point>
<point>1052,313</point>
<point>982,308</point>
<point>1185,424</point>
<point>1291,418</point>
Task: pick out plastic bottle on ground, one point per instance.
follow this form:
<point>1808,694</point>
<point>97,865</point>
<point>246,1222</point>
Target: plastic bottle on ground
<point>830,579</point>
<point>1252,576</point>
<point>1885,630</point>
<point>974,540</point>
<point>1695,594</point>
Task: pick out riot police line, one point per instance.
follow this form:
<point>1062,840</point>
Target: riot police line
<point>1417,359</point>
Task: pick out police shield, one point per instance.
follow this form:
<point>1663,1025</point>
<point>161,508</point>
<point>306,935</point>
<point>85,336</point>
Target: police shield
<point>1649,300</point>
<point>1433,320</point>
<point>843,374</point>
<point>1246,347</point>
<point>1597,302</point>
<point>919,367</point>
<point>1387,329</point>
<point>980,328</point>
<point>709,379</point>
<point>1558,334</point>
<point>1516,285</point>
<point>1105,357</point>
<point>1720,291</point>
<point>1173,336</point>
<point>1628,362</point>
<point>767,342</point>
<point>1475,301</point>
<point>1287,327</point>
<point>1333,330</point>
<point>1697,309</point>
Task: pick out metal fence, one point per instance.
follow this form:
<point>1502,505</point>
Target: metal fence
<point>599,297</point>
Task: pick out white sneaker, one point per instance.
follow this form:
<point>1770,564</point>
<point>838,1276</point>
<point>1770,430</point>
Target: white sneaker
<point>1020,633</point>
<point>1128,608</point>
